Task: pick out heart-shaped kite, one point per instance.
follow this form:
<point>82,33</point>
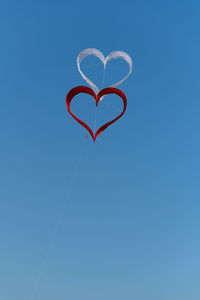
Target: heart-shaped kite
<point>86,90</point>
<point>99,54</point>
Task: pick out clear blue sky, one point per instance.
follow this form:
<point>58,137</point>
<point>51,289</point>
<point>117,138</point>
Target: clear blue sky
<point>130,226</point>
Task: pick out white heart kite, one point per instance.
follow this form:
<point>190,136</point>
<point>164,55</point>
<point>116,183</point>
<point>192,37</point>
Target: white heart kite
<point>99,54</point>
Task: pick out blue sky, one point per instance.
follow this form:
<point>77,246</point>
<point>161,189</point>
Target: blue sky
<point>118,219</point>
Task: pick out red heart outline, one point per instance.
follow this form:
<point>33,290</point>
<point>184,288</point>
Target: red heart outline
<point>86,90</point>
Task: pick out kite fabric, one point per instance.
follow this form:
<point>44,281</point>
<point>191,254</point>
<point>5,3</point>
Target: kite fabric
<point>99,54</point>
<point>86,90</point>
<point>94,91</point>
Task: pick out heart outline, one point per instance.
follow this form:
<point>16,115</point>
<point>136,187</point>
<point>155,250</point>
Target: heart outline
<point>86,90</point>
<point>112,55</point>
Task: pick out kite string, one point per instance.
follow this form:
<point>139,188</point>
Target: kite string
<point>57,224</point>
<point>95,112</point>
<point>119,68</point>
<point>108,104</point>
<point>62,210</point>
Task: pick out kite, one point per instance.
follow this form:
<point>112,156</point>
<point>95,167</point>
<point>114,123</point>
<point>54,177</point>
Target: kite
<point>86,90</point>
<point>94,91</point>
<point>112,55</point>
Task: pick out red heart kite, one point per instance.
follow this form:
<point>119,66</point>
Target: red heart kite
<point>86,90</point>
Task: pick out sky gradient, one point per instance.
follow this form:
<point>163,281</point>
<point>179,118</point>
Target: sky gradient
<point>118,219</point>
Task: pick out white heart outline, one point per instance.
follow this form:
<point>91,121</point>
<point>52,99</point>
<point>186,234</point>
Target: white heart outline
<point>113,55</point>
